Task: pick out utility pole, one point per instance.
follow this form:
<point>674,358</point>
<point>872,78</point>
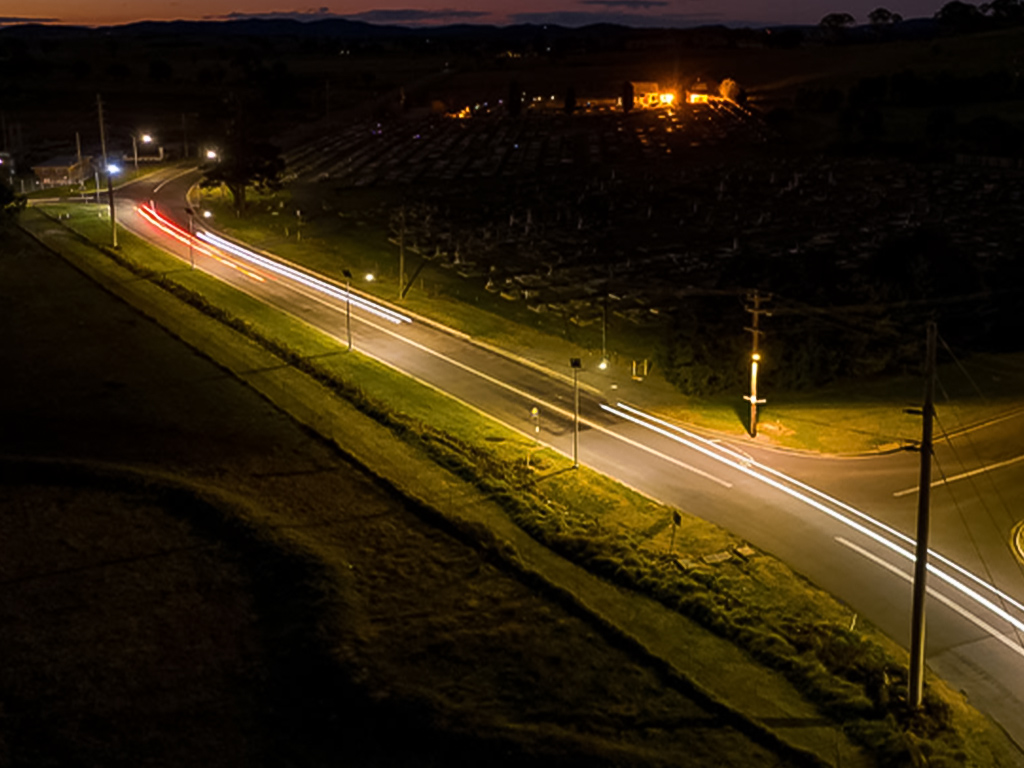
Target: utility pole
<point>755,356</point>
<point>191,236</point>
<point>401,255</point>
<point>604,321</point>
<point>103,133</point>
<point>916,689</point>
<point>575,364</point>
<point>113,217</point>
<point>184,136</point>
<point>348,306</point>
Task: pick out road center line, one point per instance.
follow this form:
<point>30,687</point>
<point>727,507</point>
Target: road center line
<point>963,475</point>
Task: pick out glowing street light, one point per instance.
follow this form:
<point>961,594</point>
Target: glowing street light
<point>146,139</point>
<point>211,154</point>
<point>111,170</point>
<point>755,358</point>
<point>370,277</point>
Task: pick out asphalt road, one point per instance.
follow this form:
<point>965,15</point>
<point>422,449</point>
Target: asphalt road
<point>845,523</point>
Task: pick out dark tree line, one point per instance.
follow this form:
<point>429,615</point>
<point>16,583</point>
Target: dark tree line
<point>955,16</point>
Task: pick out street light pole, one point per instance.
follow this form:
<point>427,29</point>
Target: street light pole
<point>146,139</point>
<point>756,311</point>
<point>575,364</point>
<point>916,684</point>
<point>752,397</point>
<point>348,306</point>
<point>604,333</point>
<point>191,238</point>
<point>111,170</point>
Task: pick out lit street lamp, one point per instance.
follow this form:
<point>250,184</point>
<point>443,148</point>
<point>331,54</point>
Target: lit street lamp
<point>146,139</point>
<point>752,397</point>
<point>575,364</point>
<point>111,170</point>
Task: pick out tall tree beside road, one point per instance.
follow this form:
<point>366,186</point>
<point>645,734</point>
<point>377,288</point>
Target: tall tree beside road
<point>1011,11</point>
<point>244,164</point>
<point>245,159</point>
<point>881,17</point>
<point>834,26</point>
<point>627,96</point>
<point>960,17</point>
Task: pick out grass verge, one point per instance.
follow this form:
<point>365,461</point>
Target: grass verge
<point>855,676</point>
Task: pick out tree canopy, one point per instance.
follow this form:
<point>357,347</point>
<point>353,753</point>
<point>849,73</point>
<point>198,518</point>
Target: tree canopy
<point>627,96</point>
<point>959,16</point>
<point>881,17</point>
<point>836,21</point>
<point>244,164</point>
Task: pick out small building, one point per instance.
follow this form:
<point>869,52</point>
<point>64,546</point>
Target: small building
<point>646,95</point>
<point>649,96</point>
<point>64,170</point>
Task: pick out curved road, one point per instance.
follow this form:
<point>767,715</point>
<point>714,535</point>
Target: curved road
<point>846,523</point>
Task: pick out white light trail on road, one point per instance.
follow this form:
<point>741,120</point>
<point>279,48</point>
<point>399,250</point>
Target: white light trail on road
<point>976,620</point>
<point>746,466</point>
<point>748,461</point>
<point>301,277</point>
<point>171,229</point>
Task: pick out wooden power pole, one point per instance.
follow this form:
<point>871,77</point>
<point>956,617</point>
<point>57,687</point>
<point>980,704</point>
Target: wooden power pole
<point>755,356</point>
<point>916,691</point>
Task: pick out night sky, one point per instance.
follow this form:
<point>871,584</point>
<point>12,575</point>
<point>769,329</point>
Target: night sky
<point>661,13</point>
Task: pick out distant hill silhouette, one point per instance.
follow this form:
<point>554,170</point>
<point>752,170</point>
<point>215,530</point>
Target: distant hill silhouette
<point>609,35</point>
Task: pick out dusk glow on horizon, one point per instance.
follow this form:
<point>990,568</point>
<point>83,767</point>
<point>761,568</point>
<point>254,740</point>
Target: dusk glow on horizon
<point>570,13</point>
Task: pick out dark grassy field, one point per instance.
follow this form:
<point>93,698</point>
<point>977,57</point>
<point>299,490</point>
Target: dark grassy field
<point>145,622</point>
